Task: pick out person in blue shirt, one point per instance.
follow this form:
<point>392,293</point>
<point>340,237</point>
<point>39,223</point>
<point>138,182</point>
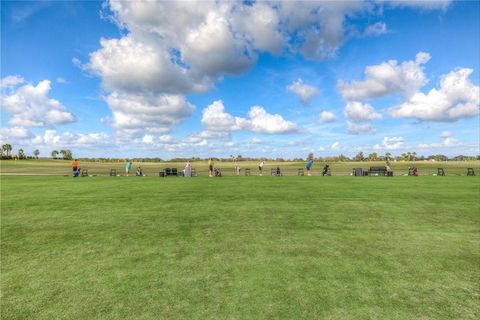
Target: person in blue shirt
<point>309,167</point>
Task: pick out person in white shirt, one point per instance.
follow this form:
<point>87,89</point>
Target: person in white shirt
<point>260,167</point>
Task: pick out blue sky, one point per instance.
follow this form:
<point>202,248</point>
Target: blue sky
<point>167,79</point>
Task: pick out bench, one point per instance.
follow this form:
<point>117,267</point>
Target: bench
<point>377,171</point>
<point>440,172</point>
<point>247,171</point>
<point>300,172</point>
<point>113,172</point>
<point>470,172</point>
<point>84,172</point>
<point>276,173</point>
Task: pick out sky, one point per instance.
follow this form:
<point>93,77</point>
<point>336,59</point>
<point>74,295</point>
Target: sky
<point>253,78</point>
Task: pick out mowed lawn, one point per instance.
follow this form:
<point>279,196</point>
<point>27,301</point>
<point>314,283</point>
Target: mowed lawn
<point>240,248</point>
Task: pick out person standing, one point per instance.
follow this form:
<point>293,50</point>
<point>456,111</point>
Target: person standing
<point>260,167</point>
<point>237,167</point>
<point>128,167</point>
<point>309,167</point>
<point>210,167</point>
<point>75,165</point>
<point>187,171</point>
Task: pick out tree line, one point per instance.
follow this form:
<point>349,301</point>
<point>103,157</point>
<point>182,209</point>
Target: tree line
<point>6,154</point>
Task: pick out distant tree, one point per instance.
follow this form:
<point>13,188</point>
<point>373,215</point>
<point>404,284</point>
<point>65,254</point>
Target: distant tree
<point>7,148</point>
<point>388,155</point>
<point>54,154</point>
<point>359,156</point>
<point>21,154</point>
<point>373,156</point>
<point>414,156</point>
<point>310,156</point>
<point>67,155</point>
<point>342,158</point>
<point>36,153</point>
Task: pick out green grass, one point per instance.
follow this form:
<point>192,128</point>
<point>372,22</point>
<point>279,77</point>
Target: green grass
<point>240,248</point>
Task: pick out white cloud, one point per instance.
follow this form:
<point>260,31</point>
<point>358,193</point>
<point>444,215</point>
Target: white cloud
<point>353,128</point>
<point>391,143</point>
<point>445,134</point>
<point>456,98</point>
<point>61,80</point>
<point>327,116</point>
<point>357,111</point>
<point>387,78</point>
<point>335,146</point>
<point>30,106</point>
<point>147,139</point>
<point>422,4</point>
<point>14,133</point>
<point>11,81</point>
<point>304,91</point>
<point>215,119</point>
<point>376,29</point>
<point>261,121</point>
<point>149,112</point>
<point>256,140</point>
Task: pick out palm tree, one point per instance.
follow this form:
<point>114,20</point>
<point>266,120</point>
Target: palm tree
<point>21,154</point>
<point>7,148</point>
<point>36,153</point>
<point>54,154</point>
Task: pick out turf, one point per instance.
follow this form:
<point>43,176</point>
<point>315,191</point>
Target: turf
<point>240,248</point>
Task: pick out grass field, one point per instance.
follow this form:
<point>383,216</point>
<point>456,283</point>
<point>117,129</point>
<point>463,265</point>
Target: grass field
<point>240,248</point>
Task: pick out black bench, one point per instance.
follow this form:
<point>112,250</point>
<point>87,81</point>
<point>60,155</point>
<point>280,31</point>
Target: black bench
<point>300,172</point>
<point>113,172</point>
<point>470,172</point>
<point>378,171</point>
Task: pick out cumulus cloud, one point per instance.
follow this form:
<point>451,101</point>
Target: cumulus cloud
<point>456,98</point>
<point>261,121</point>
<point>11,81</point>
<point>387,78</point>
<point>30,106</point>
<point>327,116</point>
<point>357,111</point>
<point>173,48</point>
<point>303,91</point>
<point>354,128</point>
<point>148,111</point>
<point>14,133</point>
<point>391,143</point>
<point>215,119</point>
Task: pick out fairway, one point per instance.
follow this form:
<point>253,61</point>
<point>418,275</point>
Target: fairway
<point>240,248</point>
